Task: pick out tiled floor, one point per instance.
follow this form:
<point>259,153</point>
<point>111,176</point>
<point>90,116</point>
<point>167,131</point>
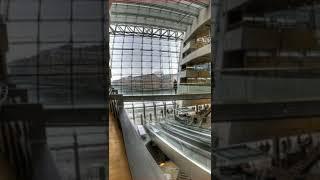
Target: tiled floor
<point>118,163</point>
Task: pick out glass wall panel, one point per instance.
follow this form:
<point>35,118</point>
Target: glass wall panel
<point>143,65</point>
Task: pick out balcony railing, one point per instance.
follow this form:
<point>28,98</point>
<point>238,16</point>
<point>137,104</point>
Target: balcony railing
<point>190,73</point>
<point>198,53</point>
<point>194,88</point>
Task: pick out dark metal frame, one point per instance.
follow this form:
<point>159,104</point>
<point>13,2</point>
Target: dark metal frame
<point>70,64</point>
<point>144,30</point>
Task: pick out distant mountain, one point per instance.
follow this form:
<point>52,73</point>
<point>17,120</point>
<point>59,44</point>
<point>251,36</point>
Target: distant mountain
<point>154,81</point>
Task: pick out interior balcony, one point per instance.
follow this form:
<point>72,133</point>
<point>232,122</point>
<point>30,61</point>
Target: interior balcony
<point>199,56</point>
<point>190,73</point>
<point>198,42</point>
<point>194,88</point>
<point>201,23</point>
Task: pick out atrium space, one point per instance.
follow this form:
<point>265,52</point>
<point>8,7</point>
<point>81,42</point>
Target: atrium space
<point>160,63</point>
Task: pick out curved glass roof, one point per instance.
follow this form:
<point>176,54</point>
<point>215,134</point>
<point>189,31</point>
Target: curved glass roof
<point>169,14</point>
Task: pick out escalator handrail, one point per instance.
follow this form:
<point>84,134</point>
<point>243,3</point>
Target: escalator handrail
<point>207,135</point>
<point>205,141</point>
<point>204,153</point>
<point>199,150</point>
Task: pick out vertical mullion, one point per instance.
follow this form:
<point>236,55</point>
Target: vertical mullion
<point>132,62</point>
<point>112,53</point>
<point>71,53</point>
<point>169,56</point>
<point>105,63</point>
<point>160,54</point>
<point>121,74</point>
<point>38,52</point>
<point>151,52</point>
<point>142,82</point>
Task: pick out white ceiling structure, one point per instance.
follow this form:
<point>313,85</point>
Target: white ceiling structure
<point>168,14</point>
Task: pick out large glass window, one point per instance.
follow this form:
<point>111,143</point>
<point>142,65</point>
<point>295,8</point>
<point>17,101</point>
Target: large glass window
<point>142,64</point>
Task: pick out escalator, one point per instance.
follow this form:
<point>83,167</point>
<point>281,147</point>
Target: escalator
<point>186,147</point>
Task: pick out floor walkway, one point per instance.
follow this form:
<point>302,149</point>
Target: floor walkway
<point>118,163</point>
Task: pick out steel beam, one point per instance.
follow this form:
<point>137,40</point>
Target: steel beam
<point>133,29</point>
<point>181,28</point>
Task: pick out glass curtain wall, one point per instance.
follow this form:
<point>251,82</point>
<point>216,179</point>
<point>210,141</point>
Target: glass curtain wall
<point>143,64</point>
<point>142,112</point>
